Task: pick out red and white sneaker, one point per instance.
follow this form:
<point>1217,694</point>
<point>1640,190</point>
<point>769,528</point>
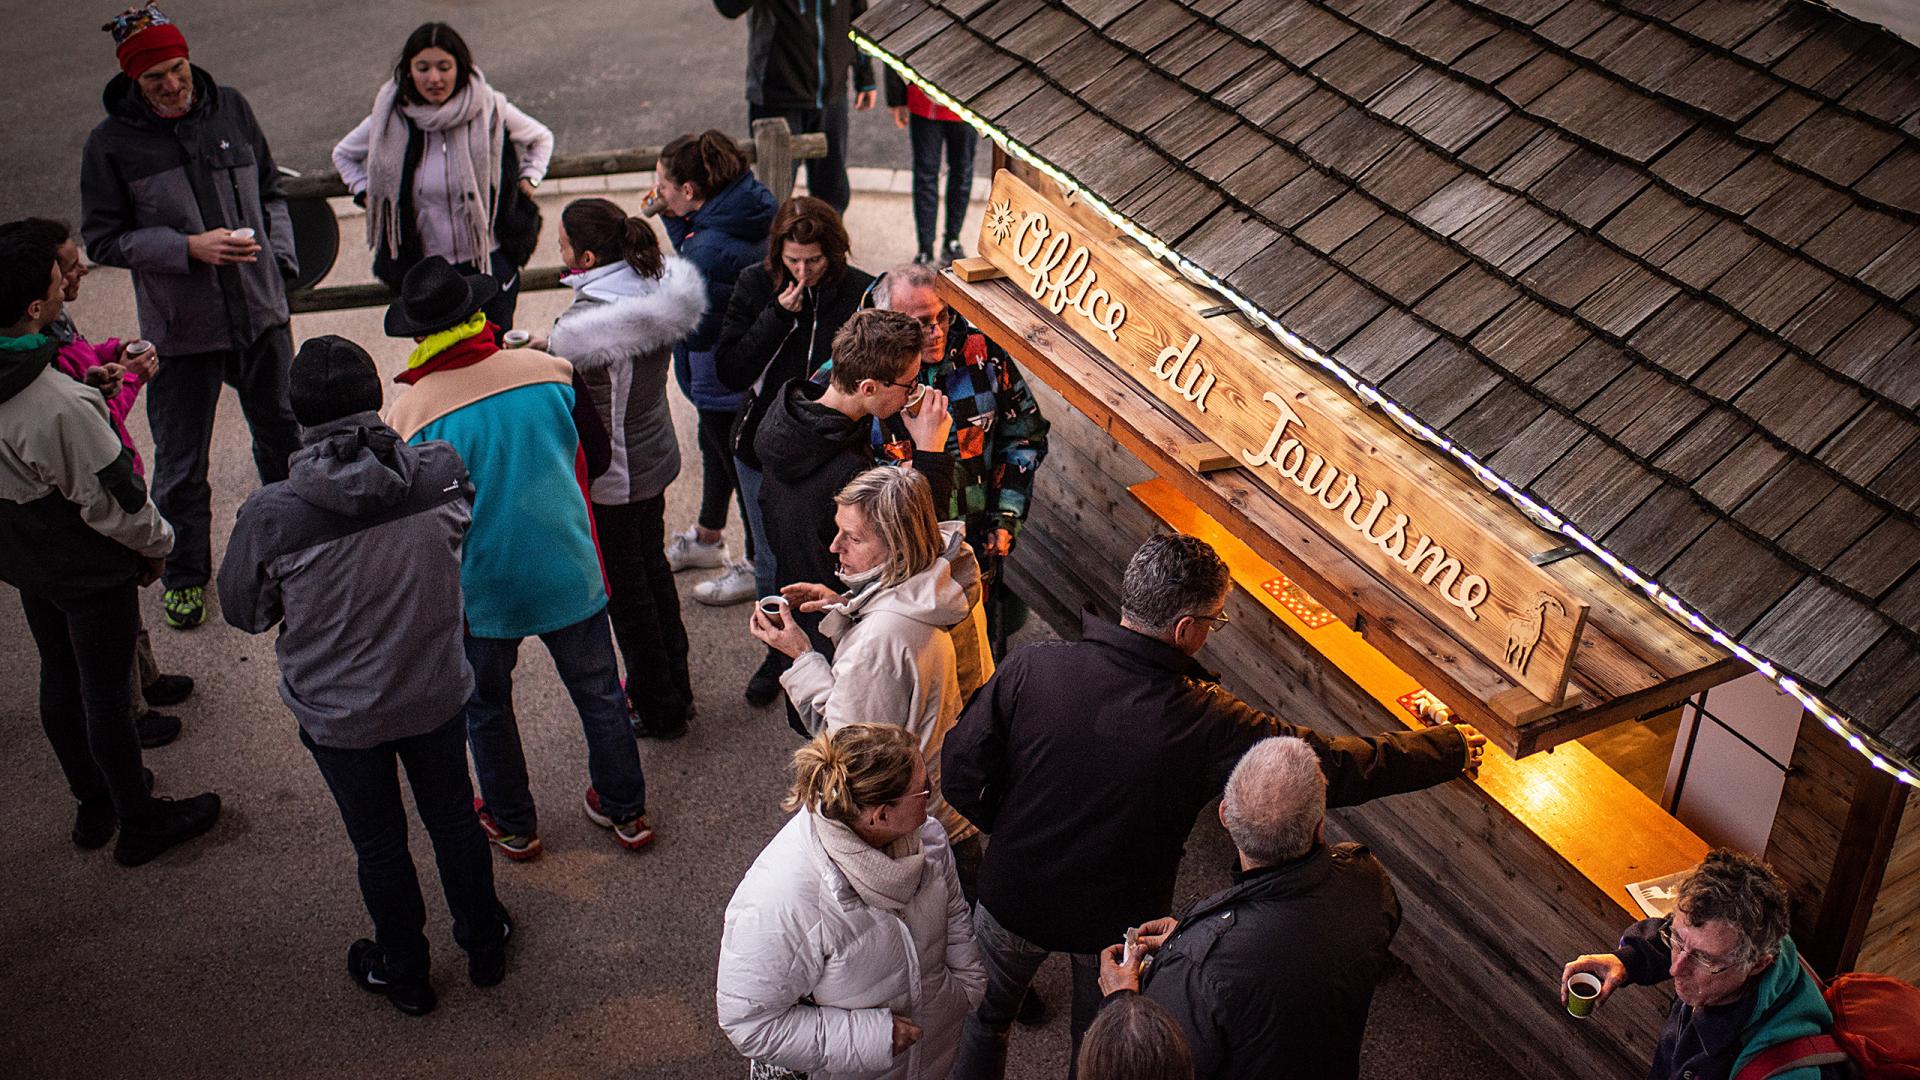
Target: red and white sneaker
<point>512,845</point>
<point>632,835</point>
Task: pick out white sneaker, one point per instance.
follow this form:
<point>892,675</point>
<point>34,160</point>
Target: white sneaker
<point>686,551</point>
<point>729,588</point>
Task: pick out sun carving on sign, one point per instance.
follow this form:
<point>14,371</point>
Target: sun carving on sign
<point>1000,220</point>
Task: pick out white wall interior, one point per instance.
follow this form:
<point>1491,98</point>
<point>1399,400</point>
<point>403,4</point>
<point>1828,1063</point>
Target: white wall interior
<point>1730,788</point>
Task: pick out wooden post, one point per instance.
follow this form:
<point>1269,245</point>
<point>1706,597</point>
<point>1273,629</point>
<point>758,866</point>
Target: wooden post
<point>773,149</point>
<point>1846,904</point>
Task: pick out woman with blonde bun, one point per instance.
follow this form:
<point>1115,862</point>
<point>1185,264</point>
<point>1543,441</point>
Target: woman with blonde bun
<point>848,950</point>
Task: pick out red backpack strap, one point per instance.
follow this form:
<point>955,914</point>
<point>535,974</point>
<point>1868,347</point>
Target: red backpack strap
<point>1805,1052</point>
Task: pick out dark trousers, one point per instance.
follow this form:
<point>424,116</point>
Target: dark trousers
<point>1011,962</point>
<point>366,785</point>
<point>930,138</point>
<point>645,607</point>
<point>500,309</point>
<point>181,401</point>
<point>718,482</point>
<point>86,696</point>
<point>583,654</point>
<point>827,176</point>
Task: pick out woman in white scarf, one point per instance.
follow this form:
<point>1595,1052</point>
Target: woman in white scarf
<point>446,166</point>
<point>848,951</point>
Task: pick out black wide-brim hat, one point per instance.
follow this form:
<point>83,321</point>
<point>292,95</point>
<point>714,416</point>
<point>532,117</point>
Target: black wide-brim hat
<point>435,297</point>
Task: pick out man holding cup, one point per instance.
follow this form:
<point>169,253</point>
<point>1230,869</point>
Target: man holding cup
<point>178,186</point>
<point>1739,988</point>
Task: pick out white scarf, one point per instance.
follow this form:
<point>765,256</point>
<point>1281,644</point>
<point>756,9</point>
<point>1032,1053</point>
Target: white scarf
<point>475,129</point>
<point>886,879</point>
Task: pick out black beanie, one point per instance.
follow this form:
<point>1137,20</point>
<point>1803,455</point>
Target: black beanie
<point>331,378</point>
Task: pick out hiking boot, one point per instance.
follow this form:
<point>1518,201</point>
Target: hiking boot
<point>168,822</point>
<point>729,588</point>
<point>632,834</point>
<point>367,964</point>
<point>156,729</point>
<point>764,686</point>
<point>486,967</point>
<point>512,845</point>
<point>167,690</point>
<point>686,551</point>
<point>185,608</point>
<point>923,257</point>
<point>951,253</point>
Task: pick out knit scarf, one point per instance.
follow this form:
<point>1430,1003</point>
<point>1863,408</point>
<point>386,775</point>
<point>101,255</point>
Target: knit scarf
<point>461,346</point>
<point>475,129</point>
<point>885,879</point>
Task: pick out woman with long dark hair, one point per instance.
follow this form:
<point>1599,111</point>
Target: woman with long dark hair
<point>632,305</point>
<point>447,166</point>
<point>717,216</point>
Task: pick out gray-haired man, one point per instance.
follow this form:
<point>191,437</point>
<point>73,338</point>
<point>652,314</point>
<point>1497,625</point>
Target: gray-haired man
<point>1087,762</point>
<point>1273,975</point>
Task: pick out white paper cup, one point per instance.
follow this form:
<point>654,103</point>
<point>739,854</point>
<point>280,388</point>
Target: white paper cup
<point>773,605</point>
<point>1582,989</point>
<point>516,339</point>
<point>139,347</point>
<point>243,234</point>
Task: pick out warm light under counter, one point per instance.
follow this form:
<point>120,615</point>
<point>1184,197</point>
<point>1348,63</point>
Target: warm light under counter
<point>1590,815</point>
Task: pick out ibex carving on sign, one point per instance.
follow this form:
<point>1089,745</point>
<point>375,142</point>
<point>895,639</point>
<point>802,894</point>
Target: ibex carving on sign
<point>1523,634</point>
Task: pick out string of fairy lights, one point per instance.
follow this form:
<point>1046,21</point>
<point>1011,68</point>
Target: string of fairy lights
<point>1881,757</point>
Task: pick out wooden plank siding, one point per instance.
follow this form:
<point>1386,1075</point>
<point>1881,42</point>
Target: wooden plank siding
<point>1490,912</point>
<point>1892,943</point>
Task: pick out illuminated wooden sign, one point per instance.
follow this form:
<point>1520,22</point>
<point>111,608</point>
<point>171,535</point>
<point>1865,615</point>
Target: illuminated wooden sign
<point>1355,478</point>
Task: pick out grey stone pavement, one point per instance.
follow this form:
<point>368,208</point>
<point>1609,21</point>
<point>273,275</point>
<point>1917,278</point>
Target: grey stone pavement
<point>226,957</point>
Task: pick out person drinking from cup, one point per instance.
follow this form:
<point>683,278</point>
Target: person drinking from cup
<point>1739,987</point>
<point>815,439</point>
<point>912,587</point>
<point>847,949</point>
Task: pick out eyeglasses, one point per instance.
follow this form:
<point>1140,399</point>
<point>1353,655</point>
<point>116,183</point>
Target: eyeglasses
<point>1706,962</point>
<point>1218,621</point>
<point>931,325</point>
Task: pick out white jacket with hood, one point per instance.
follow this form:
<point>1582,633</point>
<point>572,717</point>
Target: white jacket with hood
<point>909,654</point>
<point>619,335</point>
<point>810,975</point>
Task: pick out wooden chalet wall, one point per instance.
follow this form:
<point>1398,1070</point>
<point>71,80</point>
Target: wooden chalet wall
<point>1491,914</point>
<point>1892,946</point>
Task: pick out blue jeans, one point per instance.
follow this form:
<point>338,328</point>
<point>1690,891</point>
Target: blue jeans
<point>583,654</point>
<point>181,401</point>
<point>1011,962</point>
<point>366,786</point>
<point>763,565</point>
<point>929,138</point>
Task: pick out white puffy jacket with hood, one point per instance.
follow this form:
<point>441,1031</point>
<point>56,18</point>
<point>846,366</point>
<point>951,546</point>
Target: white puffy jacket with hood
<point>810,975</point>
<point>909,654</point>
<point>619,335</point>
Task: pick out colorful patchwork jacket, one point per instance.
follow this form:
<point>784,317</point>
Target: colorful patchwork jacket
<point>999,437</point>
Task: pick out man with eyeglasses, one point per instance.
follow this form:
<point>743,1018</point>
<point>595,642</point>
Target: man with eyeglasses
<point>1739,987</point>
<point>1086,762</point>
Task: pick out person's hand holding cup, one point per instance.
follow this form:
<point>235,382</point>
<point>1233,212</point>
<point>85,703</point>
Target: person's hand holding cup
<point>772,624</point>
<point>139,357</point>
<point>1588,981</point>
<point>927,419</point>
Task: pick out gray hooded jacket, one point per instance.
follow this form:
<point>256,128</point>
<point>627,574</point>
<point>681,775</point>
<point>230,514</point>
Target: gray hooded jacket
<point>358,552</point>
<point>146,184</point>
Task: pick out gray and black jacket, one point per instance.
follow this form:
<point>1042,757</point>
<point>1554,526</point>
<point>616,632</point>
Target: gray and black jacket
<point>357,553</point>
<point>146,184</point>
<point>75,518</point>
<point>798,51</point>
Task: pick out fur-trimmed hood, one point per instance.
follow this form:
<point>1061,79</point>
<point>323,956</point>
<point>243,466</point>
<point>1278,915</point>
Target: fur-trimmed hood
<point>617,314</point>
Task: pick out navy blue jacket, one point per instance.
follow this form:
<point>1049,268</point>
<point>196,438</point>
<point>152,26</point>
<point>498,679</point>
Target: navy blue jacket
<point>725,236</point>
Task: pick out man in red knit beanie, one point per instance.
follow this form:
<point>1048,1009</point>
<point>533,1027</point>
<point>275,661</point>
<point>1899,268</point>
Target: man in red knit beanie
<point>210,244</point>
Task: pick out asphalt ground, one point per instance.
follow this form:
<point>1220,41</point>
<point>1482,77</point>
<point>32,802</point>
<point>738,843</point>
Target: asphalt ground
<point>226,957</point>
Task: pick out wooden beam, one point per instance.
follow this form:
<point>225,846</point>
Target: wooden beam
<point>375,294</point>
<point>568,167</point>
<point>1205,456</point>
<point>1846,904</point>
<point>974,268</point>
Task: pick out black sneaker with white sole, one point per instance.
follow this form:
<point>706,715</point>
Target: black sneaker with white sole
<point>368,967</point>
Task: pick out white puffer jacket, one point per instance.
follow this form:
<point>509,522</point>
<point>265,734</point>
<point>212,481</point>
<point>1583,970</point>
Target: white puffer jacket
<point>810,975</point>
<point>909,655</point>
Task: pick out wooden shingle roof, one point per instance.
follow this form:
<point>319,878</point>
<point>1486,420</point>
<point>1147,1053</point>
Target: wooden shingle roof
<point>1655,262</point>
